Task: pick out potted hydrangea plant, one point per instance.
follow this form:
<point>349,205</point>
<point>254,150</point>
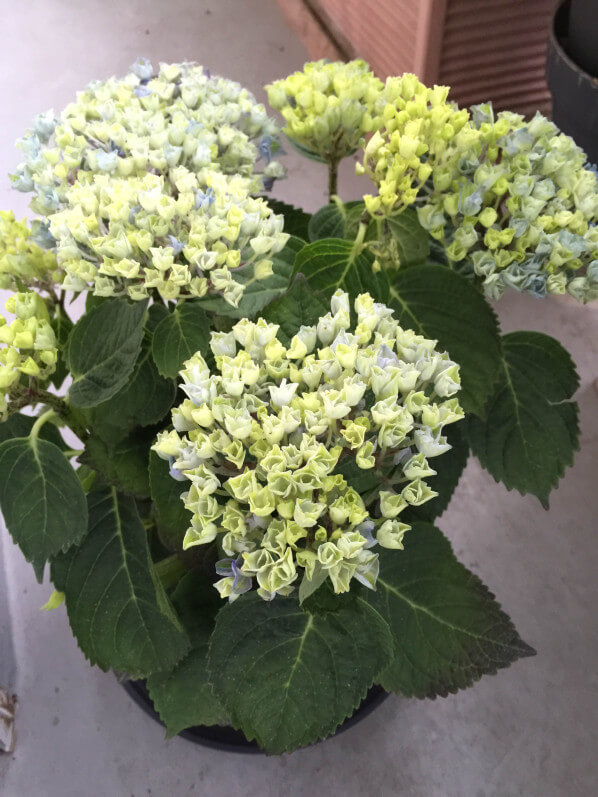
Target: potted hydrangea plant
<point>271,408</point>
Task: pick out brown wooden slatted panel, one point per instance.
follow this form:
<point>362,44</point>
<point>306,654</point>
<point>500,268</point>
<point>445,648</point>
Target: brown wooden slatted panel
<point>382,32</point>
<point>496,49</point>
<point>489,49</point>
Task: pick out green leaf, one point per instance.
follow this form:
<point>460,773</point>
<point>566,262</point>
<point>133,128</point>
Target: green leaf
<point>336,221</point>
<point>92,301</point>
<point>449,467</point>
<point>310,585</point>
<point>288,676</point>
<point>103,348</point>
<point>143,401</point>
<point>19,425</point>
<point>41,499</point>
<point>183,697</point>
<point>259,293</point>
<point>442,305</point>
<point>448,630</point>
<point>197,602</point>
<point>179,336</point>
<point>530,430</point>
<point>342,221</point>
<point>360,479</point>
<point>156,312</point>
<point>300,305</point>
<point>118,611</point>
<point>332,263</point>
<point>438,255</point>
<point>413,242</point>
<point>87,477</point>
<point>123,464</point>
<point>172,518</point>
<point>295,219</point>
<point>62,326</point>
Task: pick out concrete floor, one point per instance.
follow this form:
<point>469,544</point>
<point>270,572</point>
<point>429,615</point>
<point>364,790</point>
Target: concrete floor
<point>532,730</point>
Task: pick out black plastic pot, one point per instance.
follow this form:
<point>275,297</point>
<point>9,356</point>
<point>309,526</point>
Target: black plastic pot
<point>221,737</point>
<point>583,35</point>
<point>574,91</point>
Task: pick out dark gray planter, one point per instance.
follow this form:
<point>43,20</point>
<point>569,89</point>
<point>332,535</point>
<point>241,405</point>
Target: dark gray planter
<point>574,91</point>
<point>583,35</point>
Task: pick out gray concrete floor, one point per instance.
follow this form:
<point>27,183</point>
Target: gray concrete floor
<point>532,730</point>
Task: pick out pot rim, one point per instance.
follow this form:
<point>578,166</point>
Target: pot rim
<point>228,739</point>
<point>559,30</point>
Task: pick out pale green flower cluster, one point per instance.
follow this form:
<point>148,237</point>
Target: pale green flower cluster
<point>514,201</point>
<point>147,184</point>
<point>148,121</point>
<point>417,143</point>
<point>328,107</point>
<point>22,261</point>
<point>27,345</point>
<point>181,236</point>
<point>521,206</point>
<point>265,439</point>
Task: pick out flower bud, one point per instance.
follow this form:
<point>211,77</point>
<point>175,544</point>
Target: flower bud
<point>391,533</point>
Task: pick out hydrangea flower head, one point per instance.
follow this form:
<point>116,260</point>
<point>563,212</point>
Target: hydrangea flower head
<point>328,107</point>
<point>27,344</point>
<point>148,121</point>
<point>266,437</point>
<point>178,236</point>
<point>522,207</point>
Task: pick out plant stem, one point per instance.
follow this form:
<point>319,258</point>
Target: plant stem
<point>73,452</point>
<point>58,405</point>
<point>361,231</point>
<point>332,179</point>
<point>62,409</point>
<point>43,418</point>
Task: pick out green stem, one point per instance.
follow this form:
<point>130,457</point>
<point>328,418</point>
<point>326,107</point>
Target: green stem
<point>361,231</point>
<point>55,402</point>
<point>43,418</point>
<point>73,452</point>
<point>332,179</point>
<point>54,298</point>
<point>62,409</point>
<point>364,223</point>
<point>169,570</point>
